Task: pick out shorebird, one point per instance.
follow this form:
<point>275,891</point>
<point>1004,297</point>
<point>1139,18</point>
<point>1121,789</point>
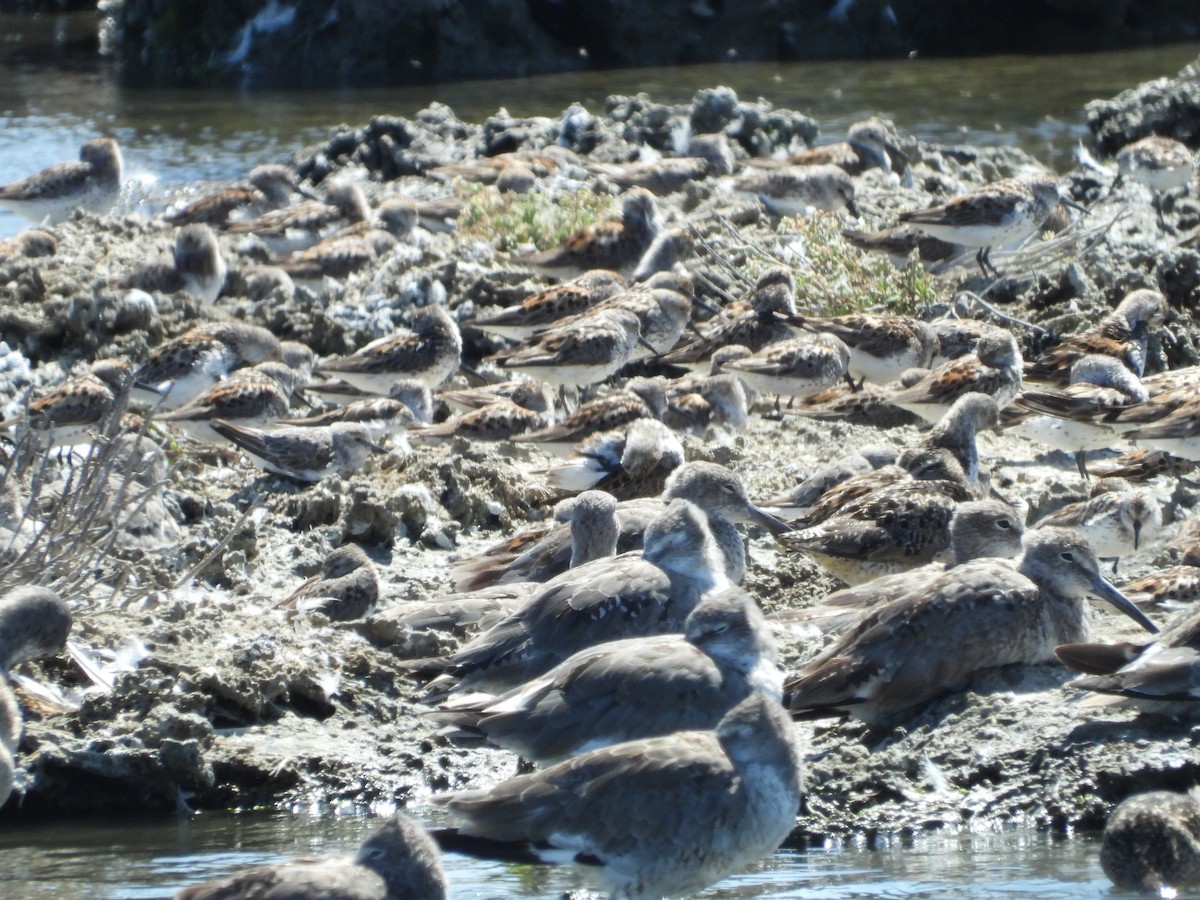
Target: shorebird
<point>640,398</point>
<point>295,227</point>
<point>544,553</point>
<point>663,816</point>
<point>34,622</point>
<point>1158,676</point>
<point>666,253</point>
<point>868,145</point>
<point>1160,163</point>
<point>430,352</point>
<point>994,368</point>
<point>881,346</point>
<point>663,306</point>
<point>338,256</point>
<point>631,462</point>
<point>606,245</point>
<point>975,616</point>
<point>32,243</point>
<point>93,183</point>
<point>250,398</point>
<point>999,213</point>
<point>1121,334</point>
<point>550,306</point>
<point>696,402</point>
<point>799,190</point>
<point>899,244</point>
<point>1117,520</point>
<point>958,337</point>
<point>583,351</point>
<point>78,407</point>
<point>500,420</point>
<point>957,430</point>
<point>1074,418</point>
<point>771,307</point>
<point>795,501</point>
<point>267,187</point>
<point>346,588</point>
<point>1151,843</point>
<point>632,595</point>
<point>304,454</point>
<point>197,267</point>
<point>892,529</point>
<point>184,367</point>
<point>409,404</point>
<point>796,367</point>
<point>634,688</point>
<point>399,861</point>
<point>979,529</point>
<point>869,405</point>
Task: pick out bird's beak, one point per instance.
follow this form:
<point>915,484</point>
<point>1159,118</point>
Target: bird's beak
<point>305,192</point>
<point>1104,590</point>
<point>649,346</point>
<point>1137,534</point>
<point>1071,204</point>
<point>852,208</point>
<point>378,448</point>
<point>764,519</point>
<point>895,151</point>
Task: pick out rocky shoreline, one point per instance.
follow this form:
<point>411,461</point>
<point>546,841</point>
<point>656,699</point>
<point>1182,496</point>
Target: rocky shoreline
<point>220,699</point>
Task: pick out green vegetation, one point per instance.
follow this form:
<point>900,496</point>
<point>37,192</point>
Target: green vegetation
<point>512,220</point>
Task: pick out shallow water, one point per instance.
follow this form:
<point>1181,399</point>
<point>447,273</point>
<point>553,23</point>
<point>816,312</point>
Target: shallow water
<point>139,861</point>
<point>52,99</point>
<point>50,102</point>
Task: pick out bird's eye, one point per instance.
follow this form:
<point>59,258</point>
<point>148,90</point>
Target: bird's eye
<point>1068,556</point>
<point>1005,524</point>
<point>729,488</point>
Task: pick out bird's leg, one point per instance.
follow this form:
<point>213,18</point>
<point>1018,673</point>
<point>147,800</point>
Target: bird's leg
<point>1079,462</point>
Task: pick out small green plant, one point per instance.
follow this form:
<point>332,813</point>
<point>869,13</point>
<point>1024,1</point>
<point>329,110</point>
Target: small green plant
<point>835,278</point>
<point>513,220</point>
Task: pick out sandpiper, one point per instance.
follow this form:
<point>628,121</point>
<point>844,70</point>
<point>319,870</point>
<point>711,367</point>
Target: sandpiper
<point>900,244</point>
<point>994,368</point>
<point>1118,519</point>
<point>1121,334</point>
<point>34,622</point>
<point>546,307</point>
<point>797,367</point>
<point>196,268</point>
<point>956,431</point>
<point>868,405</point>
<point>251,398</point>
<point>704,400</point>
<point>636,810</point>
<point>957,337</point>
<point>347,586</point>
<point>975,616</point>
<point>633,688</point>
<point>267,187</point>
<point>1074,418</point>
<point>800,190</point>
<point>93,183</point>
<point>794,501</point>
<point>398,861</point>
<point>1151,843</point>
<point>890,530</point>
<point>1158,676</point>
<point>772,304</point>
<point>430,352</point>
<point>32,243</point>
<point>500,420</point>
<point>663,306</point>
<point>338,257</point>
<point>1160,163</point>
<point>295,227</point>
<point>979,529</point>
<point>77,407</point>
<point>391,416</point>
<point>999,213</point>
<point>182,368</point>
<point>632,595</point>
<point>631,462</point>
<point>640,398</point>
<point>869,144</point>
<point>881,346</point>
<point>304,454</point>
<point>543,553</point>
<point>581,352</point>
<point>607,245</point>
<point>709,155</point>
<point>666,253</point>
